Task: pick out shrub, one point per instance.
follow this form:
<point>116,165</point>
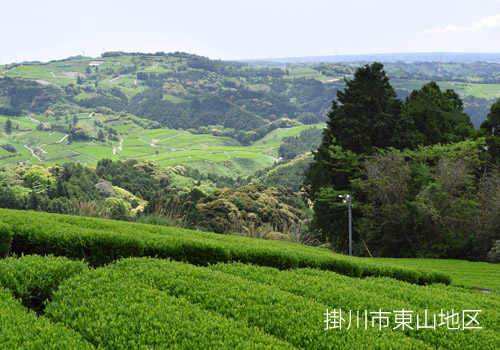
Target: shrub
<point>5,239</point>
<point>101,241</point>
<point>33,279</point>
<point>22,329</point>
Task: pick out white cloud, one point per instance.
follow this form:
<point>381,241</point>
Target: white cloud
<point>485,23</point>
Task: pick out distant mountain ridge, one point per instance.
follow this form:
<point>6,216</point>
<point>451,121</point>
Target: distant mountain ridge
<point>385,57</point>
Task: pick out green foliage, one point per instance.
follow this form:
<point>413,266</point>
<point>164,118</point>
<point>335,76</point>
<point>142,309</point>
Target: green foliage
<point>100,241</point>
<point>9,148</point>
<point>287,305</point>
<point>138,180</point>
<point>117,208</point>
<point>5,239</point>
<point>293,146</point>
<point>310,118</point>
<point>492,122</point>
<point>38,177</point>
<point>381,293</point>
<point>463,273</point>
<point>494,253</point>
<point>491,127</point>
<point>33,279</point>
<point>429,202</point>
<point>437,116</point>
<point>119,312</point>
<point>417,204</point>
<point>367,114</point>
<point>22,329</point>
<point>250,207</point>
<point>27,95</point>
<point>328,177</point>
<point>8,126</point>
<point>287,174</point>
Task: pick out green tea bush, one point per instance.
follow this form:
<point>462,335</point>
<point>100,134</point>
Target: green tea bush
<point>33,279</point>
<point>116,312</point>
<point>101,241</point>
<point>129,302</point>
<point>5,239</point>
<point>20,328</point>
<point>372,294</point>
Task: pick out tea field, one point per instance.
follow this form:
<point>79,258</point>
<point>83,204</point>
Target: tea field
<point>76,282</point>
<point>166,147</point>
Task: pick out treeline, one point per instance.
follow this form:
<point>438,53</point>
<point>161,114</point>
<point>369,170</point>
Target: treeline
<point>424,181</point>
<point>145,192</point>
<point>113,189</point>
<point>252,210</point>
<point>479,72</point>
<point>244,114</point>
<point>25,95</point>
<point>287,174</point>
<point>293,146</point>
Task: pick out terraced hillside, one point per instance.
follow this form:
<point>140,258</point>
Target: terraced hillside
<point>162,146</point>
<point>85,109</point>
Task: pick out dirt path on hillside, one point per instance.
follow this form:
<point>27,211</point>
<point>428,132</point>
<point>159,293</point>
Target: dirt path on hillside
<point>34,120</point>
<point>61,140</point>
<point>115,79</point>
<point>8,70</point>
<point>32,153</point>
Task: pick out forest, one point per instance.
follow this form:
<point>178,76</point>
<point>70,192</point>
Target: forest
<point>423,177</point>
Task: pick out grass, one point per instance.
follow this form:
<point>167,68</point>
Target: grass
<point>487,91</point>
<point>41,137</point>
<point>133,142</point>
<point>97,152</point>
<point>4,153</point>
<point>134,152</point>
<point>123,128</point>
<point>30,160</point>
<point>463,273</point>
<point>22,121</point>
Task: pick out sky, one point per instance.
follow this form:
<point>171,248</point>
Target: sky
<point>45,30</point>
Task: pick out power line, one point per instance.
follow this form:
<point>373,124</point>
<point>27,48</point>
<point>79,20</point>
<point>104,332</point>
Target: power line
<point>361,236</point>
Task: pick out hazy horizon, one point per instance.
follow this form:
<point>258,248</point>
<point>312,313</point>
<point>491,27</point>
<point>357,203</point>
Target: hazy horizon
<point>44,30</point>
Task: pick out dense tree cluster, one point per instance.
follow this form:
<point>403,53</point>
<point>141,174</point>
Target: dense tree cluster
<point>251,210</point>
<point>293,146</point>
<point>420,174</point>
<point>76,189</point>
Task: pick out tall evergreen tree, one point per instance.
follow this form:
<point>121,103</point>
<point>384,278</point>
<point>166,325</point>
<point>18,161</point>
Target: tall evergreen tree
<point>491,128</point>
<point>437,116</point>
<point>8,126</point>
<point>367,114</point>
<point>492,122</point>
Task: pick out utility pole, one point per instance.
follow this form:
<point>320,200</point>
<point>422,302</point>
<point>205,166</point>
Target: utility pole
<point>348,199</point>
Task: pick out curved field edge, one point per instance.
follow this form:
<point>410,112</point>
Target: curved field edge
<point>463,273</point>
<point>101,241</point>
